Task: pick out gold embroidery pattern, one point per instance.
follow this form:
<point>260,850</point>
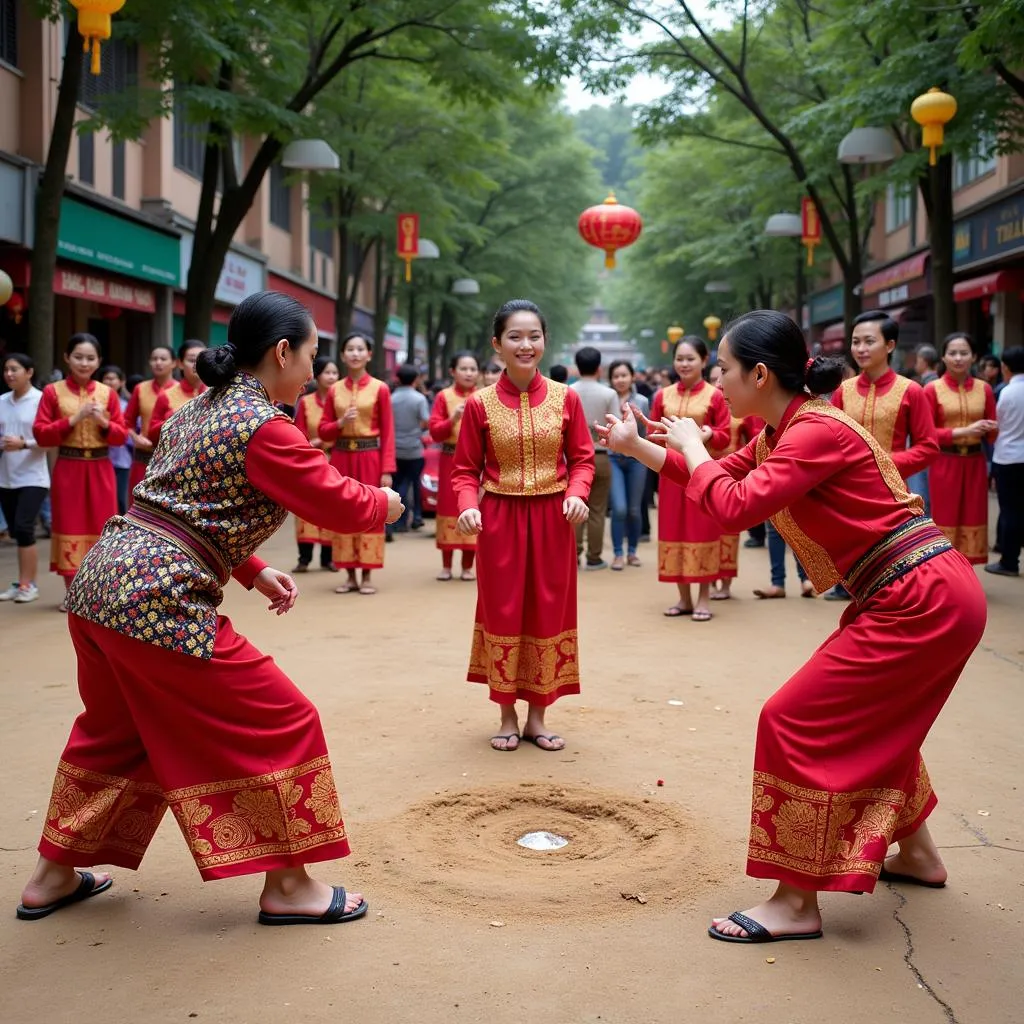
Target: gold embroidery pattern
<point>90,812</point>
<point>919,800</point>
<point>67,551</point>
<point>358,550</point>
<point>86,433</point>
<point>452,400</point>
<point>527,441</point>
<point>364,399</point>
<point>960,407</point>
<point>876,413</point>
<point>728,556</point>
<point>689,561</point>
<point>970,541</point>
<point>446,529</point>
<point>821,834</point>
<point>309,533</point>
<point>694,403</point>
<point>511,664</point>
<point>278,814</point>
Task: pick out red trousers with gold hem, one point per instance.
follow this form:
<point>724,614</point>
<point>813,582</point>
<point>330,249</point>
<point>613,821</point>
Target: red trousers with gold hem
<point>838,773</point>
<point>525,643</point>
<point>229,743</point>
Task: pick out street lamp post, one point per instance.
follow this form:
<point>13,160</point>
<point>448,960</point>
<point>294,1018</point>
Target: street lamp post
<point>426,250</point>
<point>790,225</point>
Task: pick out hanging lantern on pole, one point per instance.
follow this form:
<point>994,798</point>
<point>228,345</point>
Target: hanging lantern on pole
<point>94,25</point>
<point>6,287</point>
<point>610,227</point>
<point>932,111</point>
<point>711,325</point>
<point>408,240</point>
<point>674,333</point>
<point>810,234</point>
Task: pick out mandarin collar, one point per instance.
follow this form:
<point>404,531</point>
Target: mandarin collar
<point>683,390</point>
<point>887,378</point>
<point>73,385</point>
<point>506,385</point>
<point>773,435</point>
<point>363,381</point>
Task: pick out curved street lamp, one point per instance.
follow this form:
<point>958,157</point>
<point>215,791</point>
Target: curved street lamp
<point>867,146</point>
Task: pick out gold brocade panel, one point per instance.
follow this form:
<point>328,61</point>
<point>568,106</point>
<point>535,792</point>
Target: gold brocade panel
<point>365,401</point>
<point>357,550</point>
<point>314,413</point>
<point>527,441</point>
<point>86,433</point>
<point>729,553</point>
<point>960,407</point>
<point>447,534</point>
<point>540,665</point>
<point>970,541</point>
<point>693,404</point>
<point>875,412</point>
<point>452,400</point>
<point>68,550</point>
<point>679,561</point>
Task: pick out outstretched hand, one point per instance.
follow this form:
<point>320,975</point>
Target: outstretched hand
<point>619,435</point>
<point>279,587</point>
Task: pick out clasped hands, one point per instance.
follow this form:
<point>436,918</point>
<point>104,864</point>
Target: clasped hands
<point>622,435</point>
<point>574,509</point>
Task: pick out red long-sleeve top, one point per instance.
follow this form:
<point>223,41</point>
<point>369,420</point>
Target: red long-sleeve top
<point>60,401</point>
<point>168,403</point>
<point>444,428</point>
<point>524,443</point>
<point>955,405</point>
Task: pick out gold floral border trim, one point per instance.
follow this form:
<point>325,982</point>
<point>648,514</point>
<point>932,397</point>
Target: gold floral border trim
<point>542,665</point>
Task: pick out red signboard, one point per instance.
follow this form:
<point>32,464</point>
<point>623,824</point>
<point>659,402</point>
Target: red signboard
<point>810,220</point>
<point>108,291</point>
<point>408,235</point>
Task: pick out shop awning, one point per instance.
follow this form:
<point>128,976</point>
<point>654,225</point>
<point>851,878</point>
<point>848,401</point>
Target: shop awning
<point>898,273</point>
<point>988,284</point>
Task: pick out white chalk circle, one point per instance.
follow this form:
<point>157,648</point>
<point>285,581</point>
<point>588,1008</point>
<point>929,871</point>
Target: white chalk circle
<point>542,841</point>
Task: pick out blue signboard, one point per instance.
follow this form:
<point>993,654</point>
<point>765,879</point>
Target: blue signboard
<point>827,305</point>
<point>998,230</point>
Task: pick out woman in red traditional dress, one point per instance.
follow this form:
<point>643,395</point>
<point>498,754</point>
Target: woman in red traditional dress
<point>838,774</point>
<point>445,424</point>
<point>528,438</point>
<point>139,414</point>
<point>308,413</point>
<point>180,710</point>
<point>357,421</point>
<point>82,419</point>
<point>689,542</point>
<point>180,392</point>
<point>965,415</point>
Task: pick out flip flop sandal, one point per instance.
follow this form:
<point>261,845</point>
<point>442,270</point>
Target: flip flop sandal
<point>468,577</point>
<point>443,577</point>
<point>676,612</point>
<point>550,737</point>
<point>721,596</point>
<point>506,749</point>
<point>701,616</point>
<point>346,588</point>
<point>87,888</point>
<point>768,595</point>
<point>633,561</point>
<point>901,879</point>
<point>367,591</point>
<point>808,593</point>
<point>757,932</point>
<point>334,914</point>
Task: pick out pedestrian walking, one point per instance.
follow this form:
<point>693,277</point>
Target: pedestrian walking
<point>964,413</point>
<point>180,710</point>
<point>777,548</point>
<point>629,477</point>
<point>120,455</point>
<point>24,474</point>
<point>139,412</point>
<point>445,426</point>
<point>598,401</point>
<point>357,421</point>
<point>689,542</point>
<point>411,412</point>
<point>528,438</point>
<point>1008,465</point>
<point>838,774</point>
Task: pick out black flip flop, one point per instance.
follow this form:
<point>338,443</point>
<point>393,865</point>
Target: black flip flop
<point>87,888</point>
<point>506,737</point>
<point>900,879</point>
<point>757,932</point>
<point>334,914</point>
<point>550,737</point>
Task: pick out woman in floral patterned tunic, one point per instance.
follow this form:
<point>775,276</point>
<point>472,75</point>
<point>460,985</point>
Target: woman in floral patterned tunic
<point>180,710</point>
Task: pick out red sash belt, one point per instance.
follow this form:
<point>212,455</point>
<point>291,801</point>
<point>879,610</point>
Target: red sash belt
<point>896,554</point>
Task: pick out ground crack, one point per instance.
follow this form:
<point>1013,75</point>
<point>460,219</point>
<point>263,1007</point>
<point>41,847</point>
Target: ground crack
<point>908,956</point>
<point>1002,657</point>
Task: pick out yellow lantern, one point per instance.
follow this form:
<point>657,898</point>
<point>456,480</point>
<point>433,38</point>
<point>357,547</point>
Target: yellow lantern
<point>933,110</point>
<point>711,325</point>
<point>6,288</point>
<point>675,332</point>
<point>94,25</point>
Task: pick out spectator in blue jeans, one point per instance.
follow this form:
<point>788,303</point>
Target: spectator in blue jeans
<point>411,413</point>
<point>777,555</point>
<point>628,475</point>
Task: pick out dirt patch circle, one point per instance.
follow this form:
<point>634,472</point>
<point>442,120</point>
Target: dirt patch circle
<point>459,851</point>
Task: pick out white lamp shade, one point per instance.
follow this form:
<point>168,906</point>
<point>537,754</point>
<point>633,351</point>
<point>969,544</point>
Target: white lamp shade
<point>466,286</point>
<point>428,250</point>
<point>717,287</point>
<point>6,288</point>
<point>309,155</point>
<point>784,225</point>
<point>867,146</point>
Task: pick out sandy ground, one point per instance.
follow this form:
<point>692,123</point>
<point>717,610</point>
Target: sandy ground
<point>466,926</point>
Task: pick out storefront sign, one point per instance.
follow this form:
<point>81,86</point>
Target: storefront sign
<point>320,305</point>
<point>905,271</point>
<point>240,276</point>
<point>827,305</point>
<point>91,235</point>
<point>891,296</point>
<point>989,234</point>
<point>108,291</point>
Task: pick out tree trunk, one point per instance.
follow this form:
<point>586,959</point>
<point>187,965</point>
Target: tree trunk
<point>940,229</point>
<point>384,289</point>
<point>47,212</point>
<point>431,335</point>
<point>343,304</point>
<point>851,299</point>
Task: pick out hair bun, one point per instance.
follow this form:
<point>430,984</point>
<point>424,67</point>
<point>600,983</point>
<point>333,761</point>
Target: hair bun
<point>216,366</point>
<point>824,374</point>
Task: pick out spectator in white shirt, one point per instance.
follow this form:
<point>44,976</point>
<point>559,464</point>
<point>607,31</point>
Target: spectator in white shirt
<point>1008,465</point>
<point>24,475</point>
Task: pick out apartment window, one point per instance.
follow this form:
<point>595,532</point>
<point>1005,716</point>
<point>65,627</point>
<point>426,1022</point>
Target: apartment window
<point>321,228</point>
<point>898,199</point>
<point>189,141</point>
<point>119,73</point>
<point>117,156</point>
<point>9,32</point>
<point>87,158</point>
<point>977,165</point>
<point>280,198</point>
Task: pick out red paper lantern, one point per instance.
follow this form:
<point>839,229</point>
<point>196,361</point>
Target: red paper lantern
<point>610,227</point>
<point>16,306</point>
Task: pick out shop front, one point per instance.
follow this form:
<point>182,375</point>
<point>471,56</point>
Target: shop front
<point>903,290</point>
<point>394,343</point>
<point>988,257</point>
<point>825,312</point>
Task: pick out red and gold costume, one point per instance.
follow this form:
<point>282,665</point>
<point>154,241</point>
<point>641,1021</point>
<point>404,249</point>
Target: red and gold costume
<point>958,478</point>
<point>894,411</point>
<point>168,403</point>
<point>533,450</point>
<point>180,710</point>
<point>308,413</point>
<point>741,431</point>
<point>83,486</point>
<point>444,429</point>
<point>838,774</point>
<point>138,416</point>
<point>364,449</point>
<point>689,542</point>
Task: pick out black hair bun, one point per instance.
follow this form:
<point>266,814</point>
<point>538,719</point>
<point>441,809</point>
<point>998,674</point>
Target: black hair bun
<point>216,366</point>
<point>824,374</point>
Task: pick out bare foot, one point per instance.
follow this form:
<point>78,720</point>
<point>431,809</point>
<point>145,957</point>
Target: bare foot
<point>780,915</point>
<point>51,882</point>
<point>303,895</point>
<point>918,865</point>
